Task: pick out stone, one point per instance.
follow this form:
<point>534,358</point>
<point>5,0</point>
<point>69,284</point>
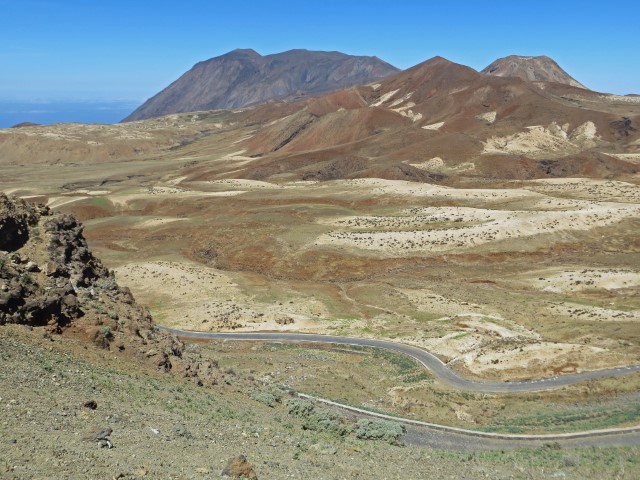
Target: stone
<point>98,434</point>
<point>32,267</point>
<point>90,404</point>
<point>239,467</point>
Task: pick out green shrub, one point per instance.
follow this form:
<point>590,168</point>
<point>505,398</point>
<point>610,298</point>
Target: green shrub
<point>299,407</point>
<point>390,432</point>
<point>266,397</point>
<point>106,332</point>
<point>319,419</point>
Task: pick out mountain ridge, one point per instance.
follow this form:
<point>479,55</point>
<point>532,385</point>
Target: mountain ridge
<point>243,77</point>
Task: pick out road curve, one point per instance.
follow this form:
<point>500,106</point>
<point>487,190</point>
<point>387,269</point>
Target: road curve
<point>443,436</point>
<point>432,363</point>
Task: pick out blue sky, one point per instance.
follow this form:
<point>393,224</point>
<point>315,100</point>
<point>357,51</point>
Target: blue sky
<point>72,49</point>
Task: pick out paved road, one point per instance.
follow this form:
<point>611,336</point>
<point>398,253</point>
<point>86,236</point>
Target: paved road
<point>432,363</point>
<point>442,436</point>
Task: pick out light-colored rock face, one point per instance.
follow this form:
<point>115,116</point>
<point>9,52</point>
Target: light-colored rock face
<point>531,69</point>
<point>540,139</point>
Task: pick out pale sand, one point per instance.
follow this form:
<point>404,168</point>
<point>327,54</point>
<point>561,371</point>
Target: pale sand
<point>438,229</point>
<point>428,301</point>
<point>120,200</point>
<point>236,155</point>
<point>414,117</point>
<point>93,192</point>
<point>403,99</point>
<point>489,117</point>
<point>244,184</point>
<point>540,139</point>
<point>433,126</point>
<point>177,180</point>
<point>192,296</point>
<point>385,97</point>
<point>560,280</point>
<point>593,189</point>
<point>521,357</point>
<point>589,313</point>
<point>56,202</point>
<point>157,222</point>
<point>378,186</point>
<point>534,357</point>
<point>437,164</point>
<point>629,157</point>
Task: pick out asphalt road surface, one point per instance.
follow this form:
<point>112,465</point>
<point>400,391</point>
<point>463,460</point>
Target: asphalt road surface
<point>442,436</point>
<point>432,363</point>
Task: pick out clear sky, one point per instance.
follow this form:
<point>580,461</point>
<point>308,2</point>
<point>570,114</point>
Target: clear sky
<point>115,49</point>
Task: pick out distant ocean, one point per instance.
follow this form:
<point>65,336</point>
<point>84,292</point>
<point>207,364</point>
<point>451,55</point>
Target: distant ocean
<point>55,111</point>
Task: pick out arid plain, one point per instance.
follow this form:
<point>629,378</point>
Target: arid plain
<point>509,250</point>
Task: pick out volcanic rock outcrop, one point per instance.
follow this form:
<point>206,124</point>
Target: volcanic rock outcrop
<point>49,278</point>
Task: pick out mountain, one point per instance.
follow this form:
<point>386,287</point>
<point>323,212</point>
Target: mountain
<point>440,120</point>
<point>531,69</point>
<point>244,77</point>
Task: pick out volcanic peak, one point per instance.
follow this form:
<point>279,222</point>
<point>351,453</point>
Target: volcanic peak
<point>531,69</point>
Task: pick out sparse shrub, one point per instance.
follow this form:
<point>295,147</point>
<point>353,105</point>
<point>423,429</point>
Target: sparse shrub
<point>390,432</point>
<point>299,407</point>
<point>106,331</point>
<point>269,396</point>
<point>325,420</point>
<point>108,283</point>
<point>571,461</point>
<point>103,336</point>
<point>319,419</point>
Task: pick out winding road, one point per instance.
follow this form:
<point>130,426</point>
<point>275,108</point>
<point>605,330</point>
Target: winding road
<point>432,363</point>
<point>443,436</point>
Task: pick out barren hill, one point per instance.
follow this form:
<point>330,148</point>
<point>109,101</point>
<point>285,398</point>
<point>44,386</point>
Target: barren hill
<point>243,77</point>
<point>531,69</point>
<point>500,126</point>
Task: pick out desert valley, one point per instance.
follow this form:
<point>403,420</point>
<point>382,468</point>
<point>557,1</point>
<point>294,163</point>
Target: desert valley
<point>490,218</point>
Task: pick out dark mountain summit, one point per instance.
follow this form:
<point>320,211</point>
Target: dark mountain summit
<point>531,69</point>
<point>244,77</point>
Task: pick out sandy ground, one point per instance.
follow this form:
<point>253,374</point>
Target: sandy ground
<point>233,184</point>
<point>592,189</point>
<point>161,190</point>
<point>196,297</point>
<point>437,229</point>
<point>488,117</point>
<point>578,280</point>
<point>481,338</point>
<point>433,126</point>
<point>629,157</point>
<point>591,313</point>
<point>540,139</point>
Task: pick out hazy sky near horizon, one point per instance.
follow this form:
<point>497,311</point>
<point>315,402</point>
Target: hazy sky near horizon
<point>79,49</point>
